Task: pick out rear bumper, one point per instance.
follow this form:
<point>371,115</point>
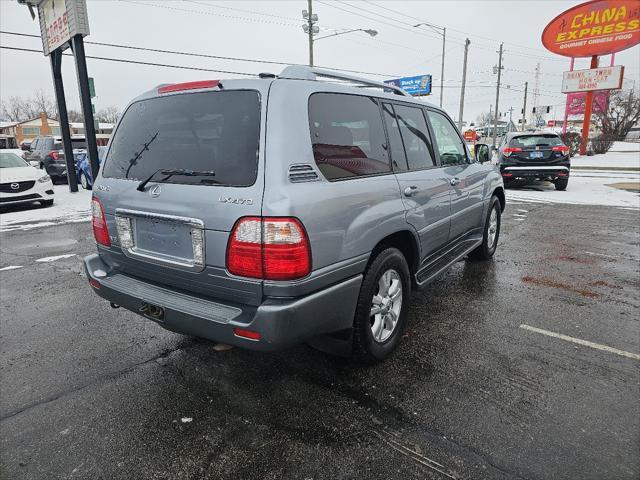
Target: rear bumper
<point>281,322</point>
<point>533,172</point>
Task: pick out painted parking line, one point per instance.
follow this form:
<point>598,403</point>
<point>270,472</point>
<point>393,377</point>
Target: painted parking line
<point>10,267</point>
<point>57,257</point>
<point>579,341</point>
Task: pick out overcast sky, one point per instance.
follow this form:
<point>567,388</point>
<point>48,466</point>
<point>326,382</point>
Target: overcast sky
<point>271,30</point>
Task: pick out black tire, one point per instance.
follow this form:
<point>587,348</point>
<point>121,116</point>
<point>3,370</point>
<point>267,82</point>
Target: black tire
<point>365,347</point>
<point>561,184</point>
<point>485,251</point>
<point>46,203</point>
<point>84,181</point>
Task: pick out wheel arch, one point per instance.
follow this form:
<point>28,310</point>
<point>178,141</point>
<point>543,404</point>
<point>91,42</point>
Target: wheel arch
<point>499,192</point>
<point>405,241</point>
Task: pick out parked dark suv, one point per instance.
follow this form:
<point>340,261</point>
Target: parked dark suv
<point>528,156</point>
<point>49,153</point>
<point>268,212</point>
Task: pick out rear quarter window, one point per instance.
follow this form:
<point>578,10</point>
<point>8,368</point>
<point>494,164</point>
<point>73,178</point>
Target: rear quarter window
<point>347,136</point>
<point>203,131</point>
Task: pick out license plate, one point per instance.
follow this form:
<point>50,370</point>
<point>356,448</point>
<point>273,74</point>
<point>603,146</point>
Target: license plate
<point>536,155</point>
<point>171,239</point>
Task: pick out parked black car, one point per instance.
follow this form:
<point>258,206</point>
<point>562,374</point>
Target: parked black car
<point>524,157</point>
<point>49,153</point>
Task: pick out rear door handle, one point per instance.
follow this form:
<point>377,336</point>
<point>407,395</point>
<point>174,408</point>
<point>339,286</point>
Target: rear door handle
<point>410,191</point>
<point>455,181</point>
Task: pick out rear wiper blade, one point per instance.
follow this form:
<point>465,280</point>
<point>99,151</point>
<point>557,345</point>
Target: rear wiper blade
<point>171,173</point>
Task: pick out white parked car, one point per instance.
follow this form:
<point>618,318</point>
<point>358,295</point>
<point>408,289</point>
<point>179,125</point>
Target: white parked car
<point>22,183</point>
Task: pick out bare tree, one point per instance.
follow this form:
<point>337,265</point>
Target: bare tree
<point>19,109</point>
<point>623,113</point>
<point>108,115</point>
<point>485,118</point>
<point>75,116</point>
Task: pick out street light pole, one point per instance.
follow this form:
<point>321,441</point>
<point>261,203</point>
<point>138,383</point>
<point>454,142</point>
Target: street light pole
<point>440,31</point>
<point>464,82</point>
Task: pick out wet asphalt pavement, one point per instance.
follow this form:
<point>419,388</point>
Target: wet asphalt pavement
<point>90,392</point>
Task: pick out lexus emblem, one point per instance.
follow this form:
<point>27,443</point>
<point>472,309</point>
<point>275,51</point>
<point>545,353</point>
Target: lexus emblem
<point>15,186</point>
<point>155,191</point>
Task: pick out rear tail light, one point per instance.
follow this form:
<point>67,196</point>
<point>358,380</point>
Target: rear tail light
<point>507,174</point>
<point>100,231</point>
<point>270,248</point>
<point>561,148</point>
<point>507,151</point>
<point>54,154</point>
<point>563,174</point>
<point>94,283</point>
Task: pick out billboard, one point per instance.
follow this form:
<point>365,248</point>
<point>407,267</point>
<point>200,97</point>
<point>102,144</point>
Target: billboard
<point>576,102</point>
<point>416,86</point>
<point>597,27</point>
<point>607,78</point>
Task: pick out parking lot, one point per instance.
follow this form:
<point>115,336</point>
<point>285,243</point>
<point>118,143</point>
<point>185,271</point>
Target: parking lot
<point>524,368</point>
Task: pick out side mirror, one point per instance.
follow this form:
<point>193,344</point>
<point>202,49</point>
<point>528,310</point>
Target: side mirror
<point>482,153</point>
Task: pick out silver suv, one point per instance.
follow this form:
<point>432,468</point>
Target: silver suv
<point>299,208</point>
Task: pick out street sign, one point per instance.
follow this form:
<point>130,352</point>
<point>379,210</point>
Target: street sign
<point>607,78</point>
<point>470,135</point>
<point>415,86</point>
<point>92,88</point>
<point>551,123</point>
<point>61,20</point>
<point>597,27</point>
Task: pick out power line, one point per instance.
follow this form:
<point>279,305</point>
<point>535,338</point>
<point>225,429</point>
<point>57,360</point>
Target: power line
<point>203,55</point>
<point>122,60</point>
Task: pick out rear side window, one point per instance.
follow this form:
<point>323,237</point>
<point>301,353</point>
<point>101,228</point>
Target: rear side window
<point>532,141</point>
<point>347,135</point>
<point>208,131</point>
<point>415,136</point>
<point>450,147</point>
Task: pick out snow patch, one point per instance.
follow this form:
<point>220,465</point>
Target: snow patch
<point>68,207</point>
<point>186,419</point>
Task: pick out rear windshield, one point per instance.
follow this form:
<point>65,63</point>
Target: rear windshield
<point>204,132</point>
<point>530,141</point>
<point>75,144</point>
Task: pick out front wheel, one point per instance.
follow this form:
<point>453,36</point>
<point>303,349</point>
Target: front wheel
<point>491,232</point>
<point>381,312</point>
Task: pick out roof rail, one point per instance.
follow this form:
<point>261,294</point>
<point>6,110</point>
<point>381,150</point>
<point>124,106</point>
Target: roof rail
<point>302,72</point>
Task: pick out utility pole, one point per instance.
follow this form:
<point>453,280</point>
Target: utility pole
<point>524,106</point>
<point>444,38</point>
<point>495,123</point>
<point>536,95</point>
<point>310,24</point>
<point>464,81</point>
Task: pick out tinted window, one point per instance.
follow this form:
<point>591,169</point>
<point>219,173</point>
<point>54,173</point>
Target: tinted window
<point>531,141</point>
<point>450,147</point>
<point>347,135</point>
<point>75,144</point>
<point>415,135</point>
<point>396,148</point>
<point>217,131</point>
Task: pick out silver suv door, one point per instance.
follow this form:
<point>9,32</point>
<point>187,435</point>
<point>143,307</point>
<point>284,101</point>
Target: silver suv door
<point>423,185</point>
<point>466,177</point>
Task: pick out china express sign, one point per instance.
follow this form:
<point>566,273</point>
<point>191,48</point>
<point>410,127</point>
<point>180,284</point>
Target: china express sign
<point>594,28</point>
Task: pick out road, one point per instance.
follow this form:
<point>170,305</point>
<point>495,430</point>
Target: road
<point>493,379</point>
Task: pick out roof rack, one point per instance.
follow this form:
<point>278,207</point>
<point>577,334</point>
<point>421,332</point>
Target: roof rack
<point>301,72</point>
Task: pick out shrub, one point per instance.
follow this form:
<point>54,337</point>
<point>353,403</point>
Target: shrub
<point>573,141</point>
<point>602,143</point>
